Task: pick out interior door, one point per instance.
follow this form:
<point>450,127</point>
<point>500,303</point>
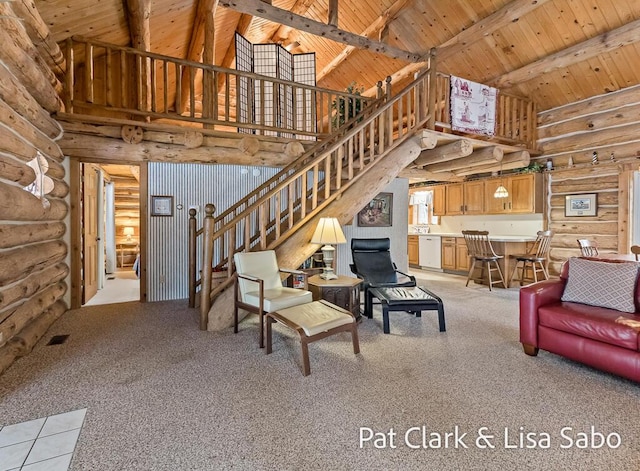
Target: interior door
<point>90,232</point>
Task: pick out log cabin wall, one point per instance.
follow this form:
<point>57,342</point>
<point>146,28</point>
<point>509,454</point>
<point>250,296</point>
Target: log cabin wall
<point>33,247</point>
<point>594,147</point>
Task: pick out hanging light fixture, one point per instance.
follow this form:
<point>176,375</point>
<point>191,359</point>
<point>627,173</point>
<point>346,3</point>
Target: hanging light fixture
<point>501,191</point>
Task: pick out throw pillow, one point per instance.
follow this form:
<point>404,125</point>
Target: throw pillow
<point>603,284</point>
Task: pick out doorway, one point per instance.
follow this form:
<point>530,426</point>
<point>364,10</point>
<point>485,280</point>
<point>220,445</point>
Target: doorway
<point>106,233</point>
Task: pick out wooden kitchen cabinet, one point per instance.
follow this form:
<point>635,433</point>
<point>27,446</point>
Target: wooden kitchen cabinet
<point>439,198</point>
<point>413,250</point>
<point>473,197</point>
<point>525,194</point>
<point>462,255</point>
<point>448,253</point>
<point>454,199</point>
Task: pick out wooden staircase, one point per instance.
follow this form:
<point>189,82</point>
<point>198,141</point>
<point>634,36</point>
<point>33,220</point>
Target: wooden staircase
<point>336,177</point>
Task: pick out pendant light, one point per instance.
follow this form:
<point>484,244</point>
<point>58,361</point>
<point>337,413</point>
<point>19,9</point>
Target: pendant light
<point>501,191</point>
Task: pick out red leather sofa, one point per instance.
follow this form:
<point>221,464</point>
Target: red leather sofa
<point>580,332</point>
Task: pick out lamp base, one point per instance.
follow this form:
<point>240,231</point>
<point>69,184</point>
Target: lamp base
<point>327,259</point>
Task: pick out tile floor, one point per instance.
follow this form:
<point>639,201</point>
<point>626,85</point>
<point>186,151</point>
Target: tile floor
<point>44,444</point>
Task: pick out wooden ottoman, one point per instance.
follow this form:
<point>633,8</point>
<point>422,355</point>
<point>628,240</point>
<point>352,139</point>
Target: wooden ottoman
<point>314,321</point>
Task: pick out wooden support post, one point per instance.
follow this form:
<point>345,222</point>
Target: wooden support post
<point>193,270</point>
<point>333,13</point>
<point>208,227</point>
<point>430,99</point>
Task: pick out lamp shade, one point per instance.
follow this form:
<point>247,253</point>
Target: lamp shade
<point>328,231</point>
<point>501,192</point>
<point>128,231</point>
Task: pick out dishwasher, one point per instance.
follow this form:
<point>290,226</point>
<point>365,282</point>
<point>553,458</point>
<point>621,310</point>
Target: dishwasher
<point>430,252</point>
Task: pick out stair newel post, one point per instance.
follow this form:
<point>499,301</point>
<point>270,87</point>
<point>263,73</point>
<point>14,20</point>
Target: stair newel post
<point>192,257</point>
<point>208,229</point>
<point>389,117</point>
<point>431,94</point>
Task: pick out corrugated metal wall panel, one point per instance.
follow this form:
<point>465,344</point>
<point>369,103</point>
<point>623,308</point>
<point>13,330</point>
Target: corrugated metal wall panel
<point>190,185</point>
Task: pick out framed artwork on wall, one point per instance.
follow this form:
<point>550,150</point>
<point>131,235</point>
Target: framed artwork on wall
<point>378,213</point>
<point>162,206</point>
<point>581,205</point>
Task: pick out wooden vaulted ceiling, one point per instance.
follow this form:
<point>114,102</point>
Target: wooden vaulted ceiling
<point>555,51</point>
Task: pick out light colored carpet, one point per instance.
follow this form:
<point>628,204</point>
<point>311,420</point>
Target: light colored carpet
<point>119,287</point>
<point>162,395</point>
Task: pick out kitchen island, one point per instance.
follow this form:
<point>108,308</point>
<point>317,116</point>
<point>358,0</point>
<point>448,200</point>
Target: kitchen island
<point>454,258</point>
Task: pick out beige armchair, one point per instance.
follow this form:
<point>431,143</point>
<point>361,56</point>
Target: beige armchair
<point>259,288</point>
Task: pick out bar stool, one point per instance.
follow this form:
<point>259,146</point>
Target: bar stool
<point>480,250</point>
<point>536,259</point>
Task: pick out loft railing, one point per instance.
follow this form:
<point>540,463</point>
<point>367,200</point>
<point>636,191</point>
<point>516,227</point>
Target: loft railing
<point>127,82</point>
<point>276,210</point>
<point>516,120</point>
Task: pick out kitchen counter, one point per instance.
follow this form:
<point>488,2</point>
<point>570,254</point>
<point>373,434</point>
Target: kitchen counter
<point>492,237</point>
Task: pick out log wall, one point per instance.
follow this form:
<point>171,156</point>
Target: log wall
<point>33,252</point>
<point>594,147</point>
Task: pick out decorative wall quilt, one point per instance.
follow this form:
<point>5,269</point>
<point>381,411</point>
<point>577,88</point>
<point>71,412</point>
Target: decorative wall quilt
<point>473,107</point>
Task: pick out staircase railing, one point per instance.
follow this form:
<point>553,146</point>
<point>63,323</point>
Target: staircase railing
<point>278,209</point>
<point>127,82</point>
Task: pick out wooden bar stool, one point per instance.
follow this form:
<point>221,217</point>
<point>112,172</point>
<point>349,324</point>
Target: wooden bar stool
<point>480,250</point>
<point>536,259</point>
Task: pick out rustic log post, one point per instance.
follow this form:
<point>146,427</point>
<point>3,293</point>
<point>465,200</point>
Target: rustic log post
<point>389,114</point>
<point>208,227</point>
<point>193,270</point>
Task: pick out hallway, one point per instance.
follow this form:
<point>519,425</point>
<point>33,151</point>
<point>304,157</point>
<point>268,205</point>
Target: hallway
<point>119,287</point>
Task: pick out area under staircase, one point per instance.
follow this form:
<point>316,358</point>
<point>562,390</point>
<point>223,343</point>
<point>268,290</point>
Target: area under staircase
<point>336,178</point>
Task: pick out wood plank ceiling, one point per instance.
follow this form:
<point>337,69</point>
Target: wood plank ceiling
<point>557,51</point>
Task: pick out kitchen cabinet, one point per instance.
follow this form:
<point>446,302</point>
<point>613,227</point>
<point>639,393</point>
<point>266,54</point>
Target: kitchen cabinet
<point>464,198</point>
<point>454,254</point>
<point>462,255</point>
<point>448,253</point>
<point>412,249</point>
<point>439,198</point>
<point>525,194</point>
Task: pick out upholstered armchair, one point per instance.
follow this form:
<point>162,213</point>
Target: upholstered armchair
<point>259,288</point>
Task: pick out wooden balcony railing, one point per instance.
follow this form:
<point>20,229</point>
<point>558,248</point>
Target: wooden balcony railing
<point>125,82</point>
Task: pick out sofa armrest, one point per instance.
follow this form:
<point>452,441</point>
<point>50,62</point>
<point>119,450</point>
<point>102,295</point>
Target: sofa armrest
<point>531,298</point>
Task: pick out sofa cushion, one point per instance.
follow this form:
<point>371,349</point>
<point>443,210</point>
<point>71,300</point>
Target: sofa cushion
<point>609,285</point>
<point>592,322</point>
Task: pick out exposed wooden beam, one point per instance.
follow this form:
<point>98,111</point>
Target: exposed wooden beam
<point>444,153</point>
<point>606,42</point>
<point>480,157</point>
<point>139,13</point>
<point>503,17</point>
<point>333,13</point>
<point>510,161</point>
<point>204,9</point>
<point>278,15</point>
<point>372,31</point>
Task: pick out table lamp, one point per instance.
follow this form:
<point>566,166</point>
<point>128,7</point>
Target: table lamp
<point>328,232</point>
<point>128,231</point>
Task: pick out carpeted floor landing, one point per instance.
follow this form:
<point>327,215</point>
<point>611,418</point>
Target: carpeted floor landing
<point>162,395</point>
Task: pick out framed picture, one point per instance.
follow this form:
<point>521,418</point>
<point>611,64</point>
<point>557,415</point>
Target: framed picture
<point>581,205</point>
<point>378,213</point>
<point>162,206</point>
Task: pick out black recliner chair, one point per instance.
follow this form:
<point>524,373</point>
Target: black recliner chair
<point>372,262</point>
